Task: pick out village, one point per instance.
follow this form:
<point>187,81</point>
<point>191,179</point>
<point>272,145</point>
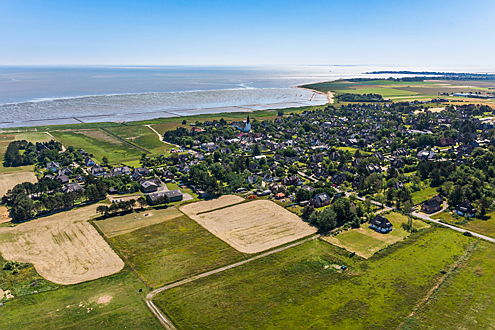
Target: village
<point>363,178</point>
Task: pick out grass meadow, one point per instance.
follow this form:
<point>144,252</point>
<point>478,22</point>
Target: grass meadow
<point>481,226</point>
<point>465,299</point>
<point>423,195</point>
<point>171,250</point>
<point>112,302</point>
<point>302,288</point>
<point>100,144</point>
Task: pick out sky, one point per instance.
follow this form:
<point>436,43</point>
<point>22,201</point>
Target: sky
<point>249,32</point>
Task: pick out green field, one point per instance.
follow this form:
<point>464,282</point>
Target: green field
<point>172,250</point>
<point>24,281</point>
<point>365,242</point>
<point>301,287</point>
<point>142,136</point>
<point>423,195</point>
<point>465,300</point>
<point>485,227</point>
<point>113,302</point>
<point>100,144</point>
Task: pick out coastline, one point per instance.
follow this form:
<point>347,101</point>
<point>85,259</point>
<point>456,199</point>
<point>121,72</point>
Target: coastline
<point>156,112</point>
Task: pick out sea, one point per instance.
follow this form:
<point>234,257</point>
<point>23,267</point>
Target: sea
<point>34,96</point>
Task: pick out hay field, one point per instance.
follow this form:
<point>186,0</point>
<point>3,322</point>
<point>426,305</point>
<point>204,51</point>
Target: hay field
<point>64,248</point>
<point>209,205</point>
<point>9,180</point>
<point>252,227</point>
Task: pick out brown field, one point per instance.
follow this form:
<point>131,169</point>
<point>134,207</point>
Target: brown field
<point>213,204</point>
<point>130,222</point>
<point>64,248</point>
<point>4,214</point>
<point>251,227</point>
<point>98,135</point>
<point>9,180</point>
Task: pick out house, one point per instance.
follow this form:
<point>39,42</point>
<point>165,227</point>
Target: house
<point>465,209</point>
<point>164,197</point>
<point>140,172</point>
<point>432,205</point>
<point>123,170</point>
<point>174,195</point>
<point>62,178</point>
<point>320,200</point>
<point>279,195</point>
<point>72,187</point>
<point>264,192</point>
<point>52,166</point>
<point>149,186</point>
<point>426,155</point>
<point>97,170</point>
<point>89,162</point>
<point>381,224</point>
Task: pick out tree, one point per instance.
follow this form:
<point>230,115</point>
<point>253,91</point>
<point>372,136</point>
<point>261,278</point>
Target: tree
<point>102,209</point>
<point>326,220</point>
<point>141,201</point>
<point>105,160</point>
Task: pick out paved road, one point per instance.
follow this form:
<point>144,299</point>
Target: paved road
<point>166,322</point>
<point>461,230</point>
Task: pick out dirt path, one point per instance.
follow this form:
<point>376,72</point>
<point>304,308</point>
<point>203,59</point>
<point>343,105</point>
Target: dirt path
<point>440,281</point>
<point>166,322</point>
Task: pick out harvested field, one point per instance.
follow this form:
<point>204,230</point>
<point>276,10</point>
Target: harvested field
<point>128,223</point>
<point>252,227</point>
<point>9,180</point>
<point>4,214</point>
<point>64,248</point>
<point>99,135</point>
<point>213,204</point>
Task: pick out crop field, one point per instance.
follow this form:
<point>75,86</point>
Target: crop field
<point>365,242</point>
<point>113,302</point>
<point>64,248</point>
<point>100,144</point>
<point>254,226</point>
<point>115,226</point>
<point>173,249</point>
<point>142,136</point>
<point>423,195</point>
<point>465,300</point>
<point>302,288</point>
<point>9,180</point>
<point>485,227</point>
<point>210,205</point>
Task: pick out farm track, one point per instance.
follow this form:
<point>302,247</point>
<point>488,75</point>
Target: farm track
<point>166,322</point>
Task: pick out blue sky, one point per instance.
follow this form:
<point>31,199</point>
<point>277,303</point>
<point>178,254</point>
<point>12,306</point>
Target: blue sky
<point>428,33</point>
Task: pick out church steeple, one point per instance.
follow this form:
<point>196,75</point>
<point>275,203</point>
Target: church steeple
<point>247,121</point>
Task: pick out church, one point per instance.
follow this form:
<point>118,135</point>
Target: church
<point>245,126</point>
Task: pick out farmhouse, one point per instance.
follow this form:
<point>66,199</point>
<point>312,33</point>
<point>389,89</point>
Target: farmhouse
<point>432,205</point>
<point>164,197</point>
<point>381,224</point>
